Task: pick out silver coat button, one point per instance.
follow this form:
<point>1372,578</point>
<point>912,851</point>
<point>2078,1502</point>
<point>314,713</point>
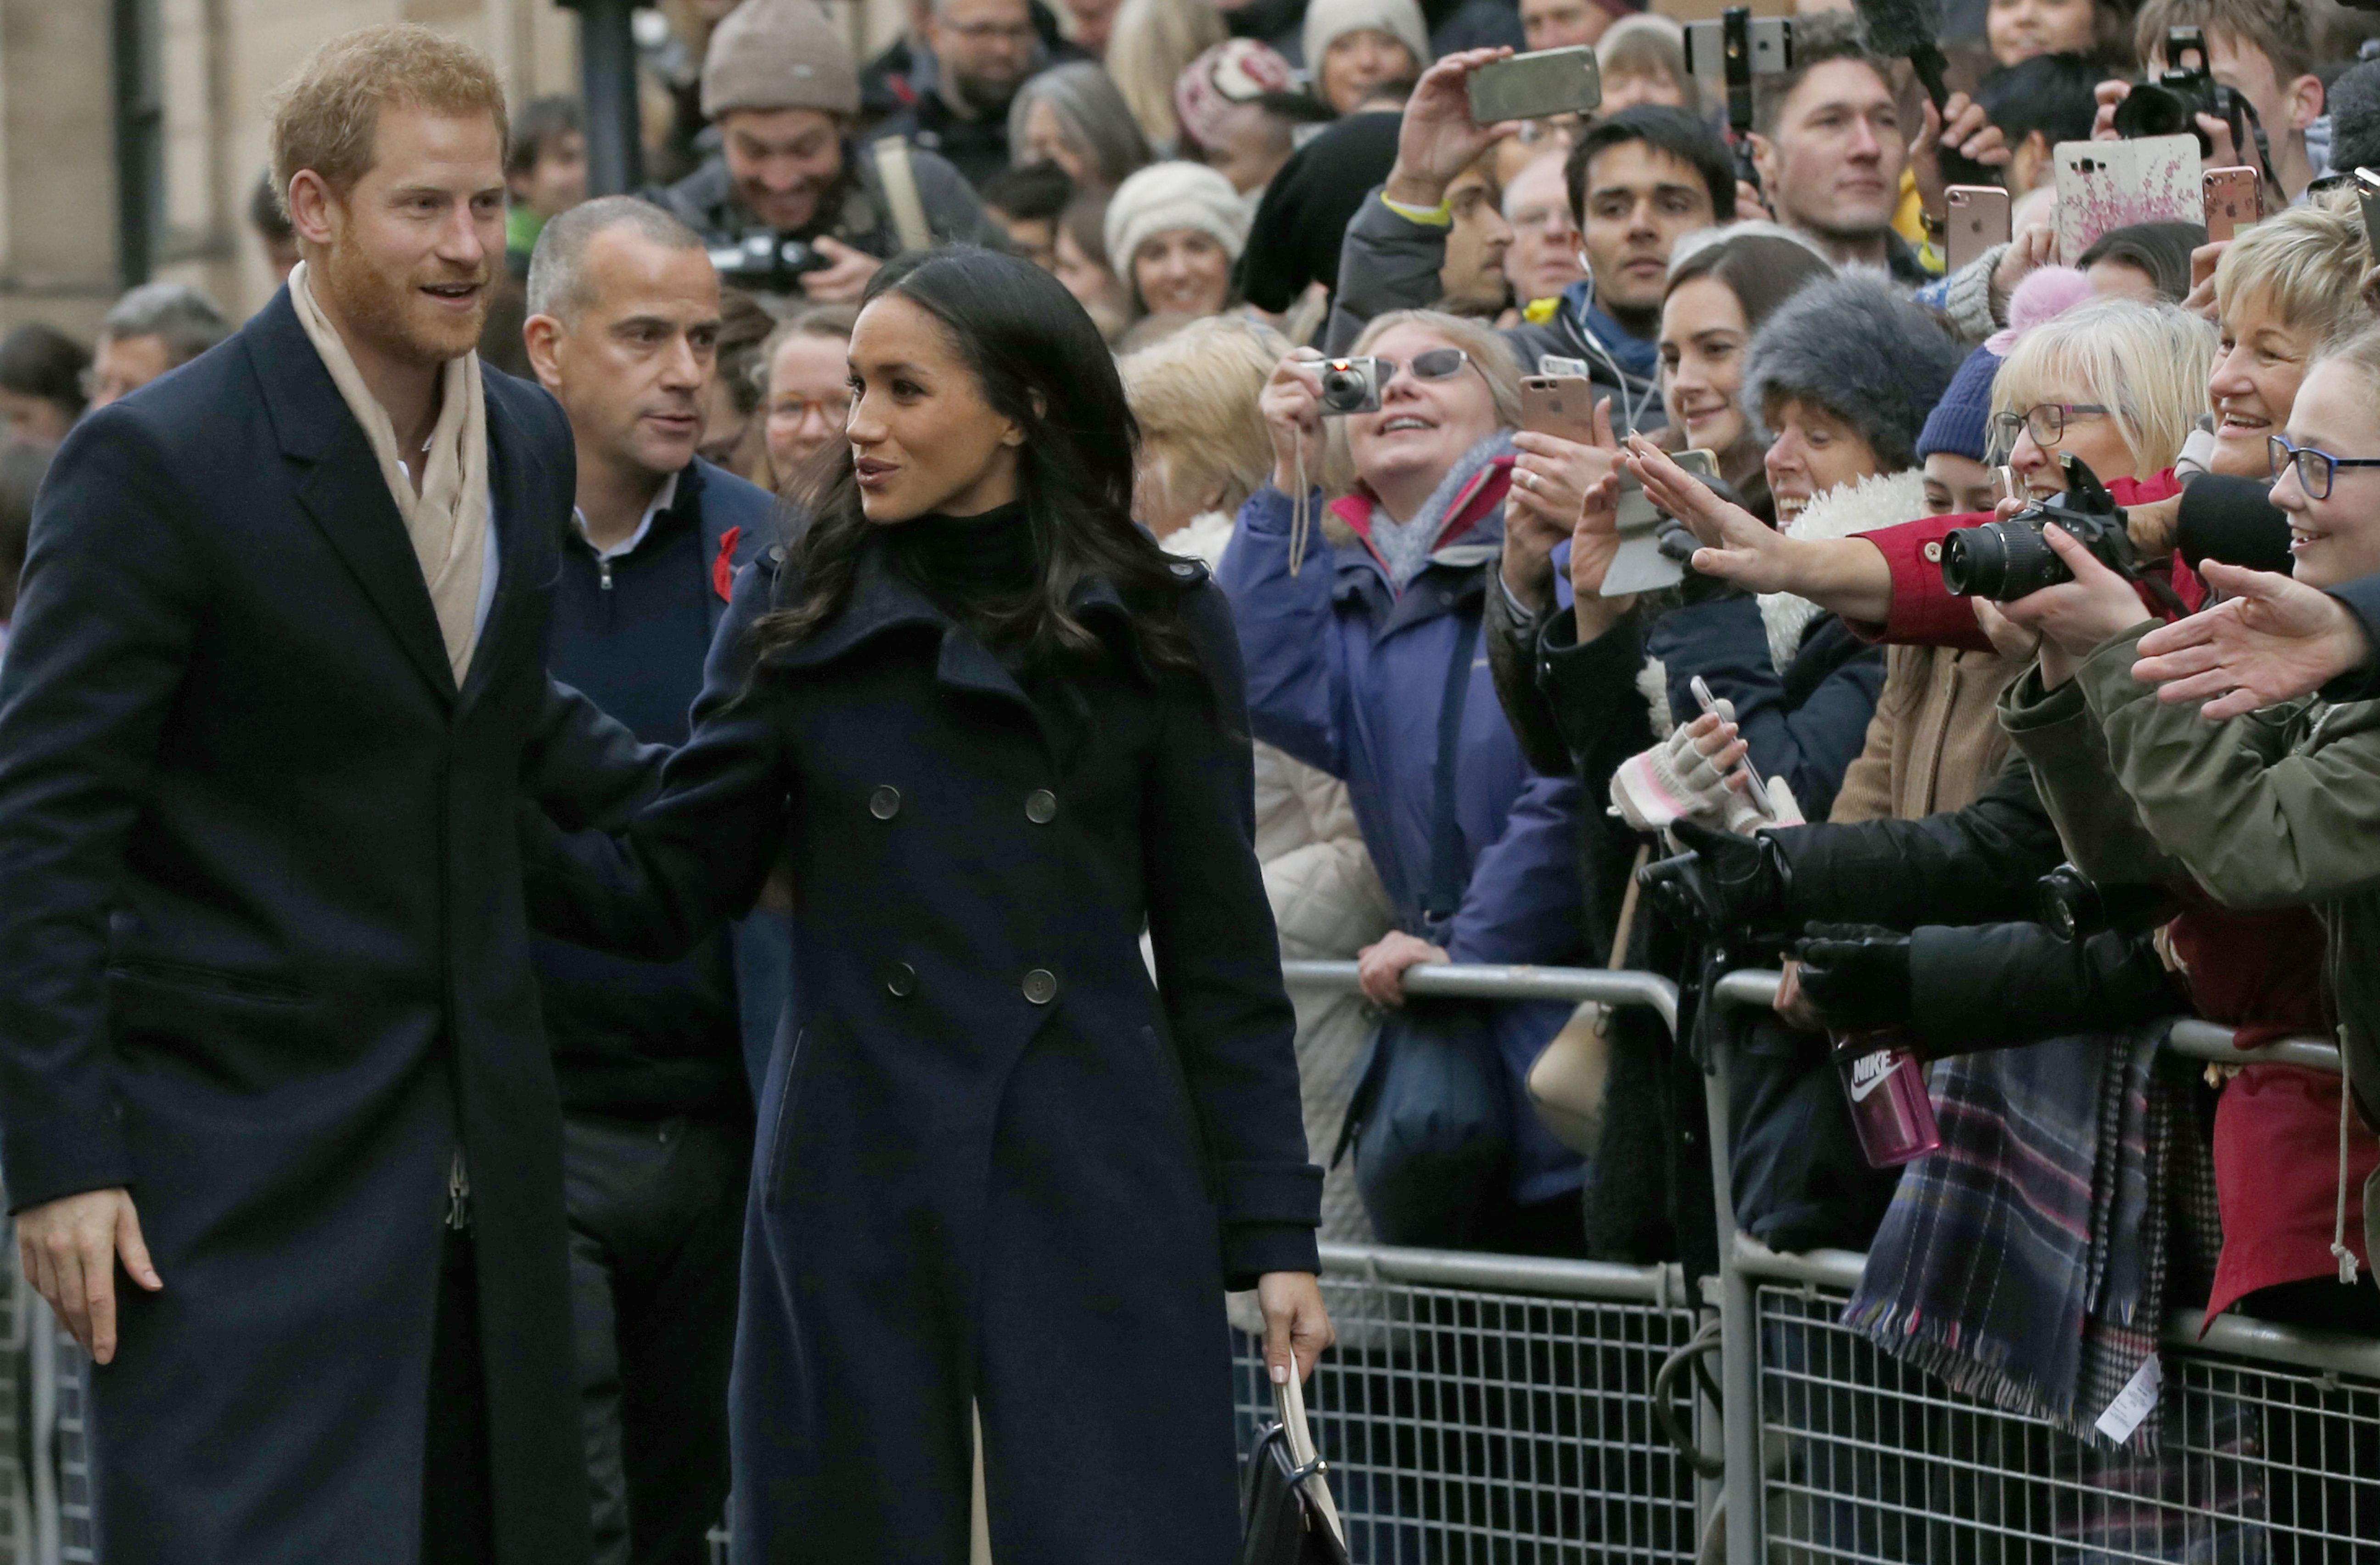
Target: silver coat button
<point>1041,807</point>
<point>1041,985</point>
<point>901,980</point>
<point>885,802</point>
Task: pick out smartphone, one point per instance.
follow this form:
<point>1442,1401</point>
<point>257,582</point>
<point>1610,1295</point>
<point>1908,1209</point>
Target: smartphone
<point>2367,190</point>
<point>1978,220</point>
<point>1639,566</point>
<point>2234,201</point>
<point>2104,185</point>
<point>1536,86</point>
<point>1758,792</point>
<point>1559,404</point>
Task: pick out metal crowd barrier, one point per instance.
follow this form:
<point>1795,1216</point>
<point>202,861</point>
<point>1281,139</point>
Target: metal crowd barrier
<point>2269,1435</point>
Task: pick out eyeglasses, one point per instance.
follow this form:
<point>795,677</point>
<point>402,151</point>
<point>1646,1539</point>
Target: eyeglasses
<point>1432,363</point>
<point>794,410</point>
<point>2316,469</point>
<point>2047,420</point>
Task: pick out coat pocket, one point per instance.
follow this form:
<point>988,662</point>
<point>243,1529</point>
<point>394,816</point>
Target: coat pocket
<point>780,1125</point>
<point>209,980</point>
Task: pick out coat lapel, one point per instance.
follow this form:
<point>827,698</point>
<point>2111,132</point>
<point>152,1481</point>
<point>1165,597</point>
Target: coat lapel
<point>513,472</point>
<point>343,490</point>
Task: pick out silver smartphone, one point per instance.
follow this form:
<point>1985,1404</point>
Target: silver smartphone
<point>1639,566</point>
<point>1551,82</point>
<point>1769,49</point>
<point>1758,792</point>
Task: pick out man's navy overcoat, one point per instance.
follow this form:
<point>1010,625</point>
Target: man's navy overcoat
<point>262,956</point>
<point>995,1161</point>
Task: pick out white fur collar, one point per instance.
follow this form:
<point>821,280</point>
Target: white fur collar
<point>1884,500</point>
<point>1201,538</point>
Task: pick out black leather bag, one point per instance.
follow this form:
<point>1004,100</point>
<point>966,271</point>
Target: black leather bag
<point>1285,1509</point>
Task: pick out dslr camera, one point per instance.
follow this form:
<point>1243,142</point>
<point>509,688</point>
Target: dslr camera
<point>2008,558</point>
<point>2184,90</point>
<point>2078,906</point>
<point>764,261</point>
<point>1351,385</point>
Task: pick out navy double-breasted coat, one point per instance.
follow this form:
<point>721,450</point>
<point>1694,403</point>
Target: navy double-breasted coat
<point>262,956</point>
<point>995,1162</point>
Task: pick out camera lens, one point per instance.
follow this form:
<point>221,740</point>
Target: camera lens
<point>2151,110</point>
<point>2000,560</point>
<point>1342,390</point>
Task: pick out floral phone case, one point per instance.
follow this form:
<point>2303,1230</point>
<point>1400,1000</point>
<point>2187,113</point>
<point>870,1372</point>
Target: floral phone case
<point>2104,185</point>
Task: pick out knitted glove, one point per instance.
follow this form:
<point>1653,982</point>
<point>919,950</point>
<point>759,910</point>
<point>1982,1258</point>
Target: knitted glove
<point>1675,781</point>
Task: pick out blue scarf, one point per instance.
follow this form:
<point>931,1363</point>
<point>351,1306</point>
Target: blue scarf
<point>1636,355</point>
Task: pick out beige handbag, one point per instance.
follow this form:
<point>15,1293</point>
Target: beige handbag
<point>1567,1080</point>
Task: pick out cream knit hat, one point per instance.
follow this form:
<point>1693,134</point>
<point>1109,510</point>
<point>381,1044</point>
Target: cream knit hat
<point>1174,195</point>
<point>779,54</point>
<point>1400,19</point>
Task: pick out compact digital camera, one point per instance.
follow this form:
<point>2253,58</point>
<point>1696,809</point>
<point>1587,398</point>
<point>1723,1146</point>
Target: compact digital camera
<point>764,261</point>
<point>1352,385</point>
<point>2008,558</point>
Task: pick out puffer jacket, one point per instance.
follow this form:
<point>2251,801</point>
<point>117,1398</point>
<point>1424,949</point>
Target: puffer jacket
<point>1328,903</point>
<point>1344,674</point>
<point>2270,811</point>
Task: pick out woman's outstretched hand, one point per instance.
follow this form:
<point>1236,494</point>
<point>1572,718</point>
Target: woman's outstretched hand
<point>2273,640</point>
<point>1297,1326</point>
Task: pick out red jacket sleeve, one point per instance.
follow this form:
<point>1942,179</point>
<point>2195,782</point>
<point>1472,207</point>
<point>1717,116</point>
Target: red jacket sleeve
<point>1924,613</point>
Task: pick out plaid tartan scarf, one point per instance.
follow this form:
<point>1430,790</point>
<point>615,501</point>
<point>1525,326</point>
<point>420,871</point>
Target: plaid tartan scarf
<point>2025,1263</point>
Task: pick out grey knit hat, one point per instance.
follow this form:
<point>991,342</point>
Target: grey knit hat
<point>779,54</point>
<point>1400,19</point>
<point>1855,347</point>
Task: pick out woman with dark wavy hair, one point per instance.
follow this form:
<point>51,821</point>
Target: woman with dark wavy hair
<point>996,731</point>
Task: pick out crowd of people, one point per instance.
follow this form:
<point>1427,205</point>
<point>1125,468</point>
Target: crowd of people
<point>1671,591</point>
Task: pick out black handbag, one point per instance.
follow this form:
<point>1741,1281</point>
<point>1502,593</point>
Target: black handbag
<point>1286,1513</point>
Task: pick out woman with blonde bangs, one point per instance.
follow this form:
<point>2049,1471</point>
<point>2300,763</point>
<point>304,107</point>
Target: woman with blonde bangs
<point>2284,291</point>
<point>2113,382</point>
<point>1203,449</point>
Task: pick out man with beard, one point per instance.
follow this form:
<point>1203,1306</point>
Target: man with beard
<point>624,327</point>
<point>780,85</point>
<point>985,49</point>
<point>274,701</point>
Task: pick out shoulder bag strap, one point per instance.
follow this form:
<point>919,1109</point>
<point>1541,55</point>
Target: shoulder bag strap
<point>1444,893</point>
<point>900,181</point>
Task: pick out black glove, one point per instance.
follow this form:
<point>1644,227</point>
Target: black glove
<point>1722,882</point>
<point>1857,976</point>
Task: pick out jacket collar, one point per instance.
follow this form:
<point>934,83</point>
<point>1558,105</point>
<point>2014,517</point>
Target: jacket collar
<point>345,493</point>
<point>1479,508</point>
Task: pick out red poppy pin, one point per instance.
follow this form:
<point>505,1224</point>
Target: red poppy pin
<point>723,570</point>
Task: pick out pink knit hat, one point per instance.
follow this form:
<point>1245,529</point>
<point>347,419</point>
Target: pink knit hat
<point>1238,70</point>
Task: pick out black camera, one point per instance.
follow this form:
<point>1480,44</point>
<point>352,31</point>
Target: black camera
<point>764,261</point>
<point>2077,907</point>
<point>2006,559</point>
<point>2184,90</point>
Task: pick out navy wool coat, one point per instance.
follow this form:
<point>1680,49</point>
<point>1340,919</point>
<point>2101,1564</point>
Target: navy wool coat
<point>995,1163</point>
<point>262,956</point>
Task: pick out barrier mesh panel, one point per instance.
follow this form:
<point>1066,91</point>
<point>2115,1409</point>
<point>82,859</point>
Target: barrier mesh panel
<point>1465,1426</point>
<point>1866,1460</point>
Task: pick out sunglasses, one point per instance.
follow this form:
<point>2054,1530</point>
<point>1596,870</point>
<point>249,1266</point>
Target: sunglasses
<point>2316,469</point>
<point>1435,363</point>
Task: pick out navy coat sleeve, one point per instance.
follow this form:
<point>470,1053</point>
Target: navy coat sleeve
<point>698,854</point>
<point>1219,966</point>
<point>585,768</point>
<point>111,603</point>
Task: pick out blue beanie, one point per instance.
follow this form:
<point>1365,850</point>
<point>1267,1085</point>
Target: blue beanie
<point>1961,423</point>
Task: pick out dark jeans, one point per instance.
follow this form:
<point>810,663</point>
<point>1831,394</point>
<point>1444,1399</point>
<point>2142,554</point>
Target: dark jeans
<point>656,1233</point>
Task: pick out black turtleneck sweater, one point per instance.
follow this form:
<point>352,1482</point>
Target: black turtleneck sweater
<point>971,565</point>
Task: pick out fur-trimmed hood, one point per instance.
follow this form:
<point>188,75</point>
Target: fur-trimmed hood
<point>1856,346</point>
<point>1884,500</point>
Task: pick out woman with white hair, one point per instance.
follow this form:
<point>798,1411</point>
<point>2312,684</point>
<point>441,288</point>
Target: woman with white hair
<point>1072,116</point>
<point>1360,638</point>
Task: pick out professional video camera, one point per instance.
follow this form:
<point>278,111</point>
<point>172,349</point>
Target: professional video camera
<point>2008,558</point>
<point>2184,90</point>
<point>767,262</point>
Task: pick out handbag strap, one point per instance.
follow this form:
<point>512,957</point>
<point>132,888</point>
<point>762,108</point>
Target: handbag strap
<point>1444,893</point>
<point>1628,908</point>
<point>899,177</point>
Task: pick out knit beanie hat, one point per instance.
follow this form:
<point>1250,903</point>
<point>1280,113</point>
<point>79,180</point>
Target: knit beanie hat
<point>1174,195</point>
<point>1961,423</point>
<point>1238,70</point>
<point>1853,346</point>
<point>779,54</point>
<point>1400,19</point>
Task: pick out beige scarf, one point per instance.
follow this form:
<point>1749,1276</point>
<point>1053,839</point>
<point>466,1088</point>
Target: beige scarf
<point>448,519</point>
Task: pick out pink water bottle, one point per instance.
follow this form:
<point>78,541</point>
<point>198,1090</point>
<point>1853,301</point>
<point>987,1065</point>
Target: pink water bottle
<point>1885,1083</point>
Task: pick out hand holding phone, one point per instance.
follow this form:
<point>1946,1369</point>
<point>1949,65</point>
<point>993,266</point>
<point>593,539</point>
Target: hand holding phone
<point>1756,792</point>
